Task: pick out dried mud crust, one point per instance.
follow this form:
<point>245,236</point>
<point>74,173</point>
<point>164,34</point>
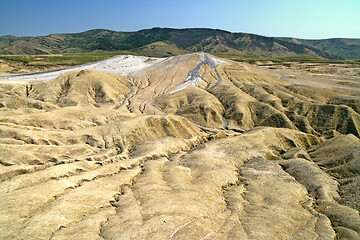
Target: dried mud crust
<point>223,188</point>
<point>94,155</point>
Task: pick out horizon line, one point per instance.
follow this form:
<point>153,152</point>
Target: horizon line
<point>187,28</point>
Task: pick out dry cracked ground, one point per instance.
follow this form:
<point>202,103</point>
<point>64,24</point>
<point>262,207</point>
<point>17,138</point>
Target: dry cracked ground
<point>188,147</point>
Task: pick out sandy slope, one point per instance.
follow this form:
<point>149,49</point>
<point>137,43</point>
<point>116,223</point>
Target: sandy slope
<point>241,155</point>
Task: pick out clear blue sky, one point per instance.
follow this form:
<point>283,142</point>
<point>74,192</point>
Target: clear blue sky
<point>310,19</point>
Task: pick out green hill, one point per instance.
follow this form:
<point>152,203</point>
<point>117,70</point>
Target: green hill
<point>343,47</point>
<point>166,41</point>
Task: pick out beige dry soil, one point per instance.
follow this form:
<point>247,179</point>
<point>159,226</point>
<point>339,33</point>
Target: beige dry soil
<point>190,147</point>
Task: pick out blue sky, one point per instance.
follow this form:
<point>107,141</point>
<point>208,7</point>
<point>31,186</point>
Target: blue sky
<point>310,19</point>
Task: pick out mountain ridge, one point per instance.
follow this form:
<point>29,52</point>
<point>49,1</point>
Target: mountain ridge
<point>178,41</point>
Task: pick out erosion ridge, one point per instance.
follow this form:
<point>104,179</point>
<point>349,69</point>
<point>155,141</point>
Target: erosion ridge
<point>241,153</point>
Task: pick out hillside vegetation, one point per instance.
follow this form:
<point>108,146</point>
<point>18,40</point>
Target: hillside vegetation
<point>343,47</point>
<point>166,42</point>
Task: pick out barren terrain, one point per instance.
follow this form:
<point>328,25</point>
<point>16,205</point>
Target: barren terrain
<point>185,147</point>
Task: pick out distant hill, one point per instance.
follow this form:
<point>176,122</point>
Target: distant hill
<point>166,41</point>
<point>343,47</point>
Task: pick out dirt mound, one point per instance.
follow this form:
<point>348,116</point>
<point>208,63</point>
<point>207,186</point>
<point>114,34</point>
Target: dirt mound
<point>81,88</point>
<point>326,117</point>
<point>27,144</point>
<point>190,147</point>
<point>195,104</point>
